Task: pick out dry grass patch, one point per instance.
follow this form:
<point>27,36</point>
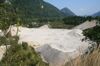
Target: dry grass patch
<point>92,59</point>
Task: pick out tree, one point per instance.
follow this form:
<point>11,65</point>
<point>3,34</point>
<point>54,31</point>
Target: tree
<point>7,17</point>
<point>89,18</point>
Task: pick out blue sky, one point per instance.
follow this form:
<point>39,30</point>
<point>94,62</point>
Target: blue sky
<point>79,7</point>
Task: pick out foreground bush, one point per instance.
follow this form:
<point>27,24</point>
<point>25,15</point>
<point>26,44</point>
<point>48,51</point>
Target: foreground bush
<point>21,55</point>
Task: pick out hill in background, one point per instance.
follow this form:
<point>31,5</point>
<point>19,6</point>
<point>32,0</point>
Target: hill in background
<point>67,12</point>
<point>96,14</point>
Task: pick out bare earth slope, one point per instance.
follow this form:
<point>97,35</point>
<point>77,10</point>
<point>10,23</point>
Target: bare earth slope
<point>86,25</point>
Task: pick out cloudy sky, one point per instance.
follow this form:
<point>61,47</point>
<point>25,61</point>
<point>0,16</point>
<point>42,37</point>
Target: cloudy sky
<point>79,7</point>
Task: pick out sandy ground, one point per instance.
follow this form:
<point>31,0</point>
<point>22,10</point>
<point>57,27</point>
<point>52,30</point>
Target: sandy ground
<point>54,45</point>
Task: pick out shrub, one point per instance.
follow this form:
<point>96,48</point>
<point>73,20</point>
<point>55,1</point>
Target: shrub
<point>93,34</point>
<point>18,55</point>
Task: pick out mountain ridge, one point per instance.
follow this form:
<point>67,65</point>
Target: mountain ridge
<point>67,12</point>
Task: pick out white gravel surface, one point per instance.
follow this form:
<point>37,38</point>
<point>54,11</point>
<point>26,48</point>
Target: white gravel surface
<point>55,46</point>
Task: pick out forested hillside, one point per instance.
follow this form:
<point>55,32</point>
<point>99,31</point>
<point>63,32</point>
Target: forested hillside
<point>35,9</point>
